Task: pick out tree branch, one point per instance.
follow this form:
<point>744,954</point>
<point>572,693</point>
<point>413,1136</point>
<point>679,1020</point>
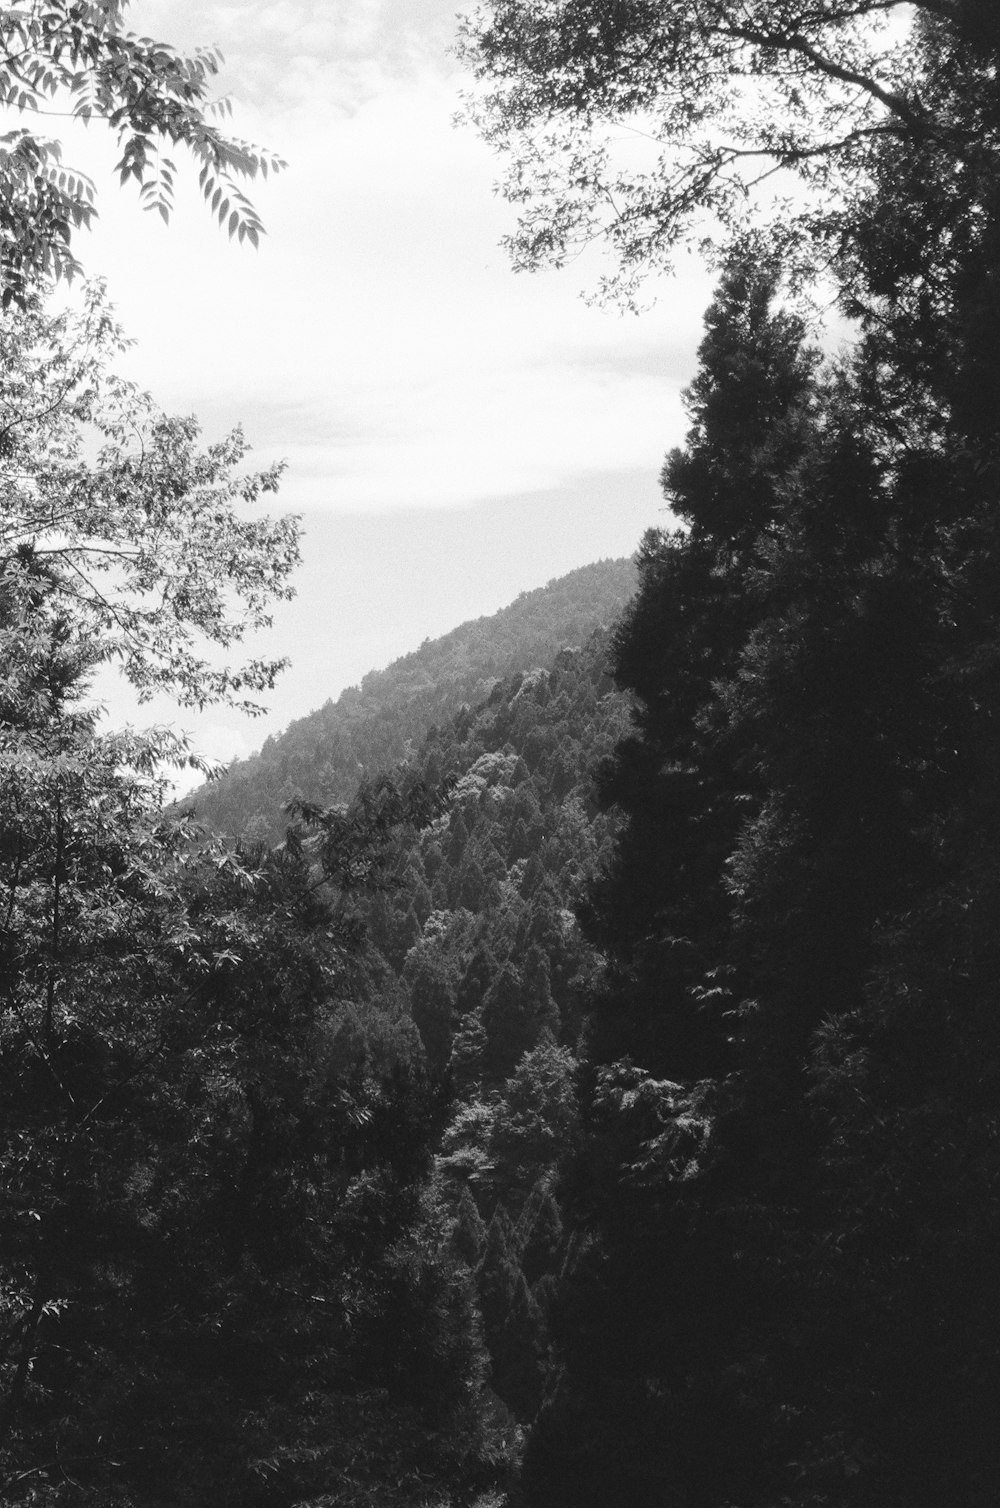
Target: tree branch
<point>794,42</point>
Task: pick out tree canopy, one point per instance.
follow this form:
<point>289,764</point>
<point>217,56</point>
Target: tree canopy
<point>646,126</point>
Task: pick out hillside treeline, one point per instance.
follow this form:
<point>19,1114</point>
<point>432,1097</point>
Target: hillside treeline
<point>370,728</point>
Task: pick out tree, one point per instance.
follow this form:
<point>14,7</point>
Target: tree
<point>684,790</point>
<point>509,1022</point>
<point>215,1219</point>
<point>432,980</point>
<point>536,1121</point>
<point>784,1157</point>
<point>147,547</point>
<point>62,57</point>
<point>469,1232</point>
<point>643,126</point>
<point>540,1232</point>
<point>809,789</point>
<point>519,1352</point>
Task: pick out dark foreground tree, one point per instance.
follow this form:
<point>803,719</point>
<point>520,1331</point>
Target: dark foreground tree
<point>789,1157</point>
<point>788,1194</point>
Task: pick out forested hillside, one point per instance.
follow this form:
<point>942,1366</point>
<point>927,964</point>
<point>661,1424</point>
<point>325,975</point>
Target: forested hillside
<point>481,941</point>
<point>478,975</point>
<point>370,727</point>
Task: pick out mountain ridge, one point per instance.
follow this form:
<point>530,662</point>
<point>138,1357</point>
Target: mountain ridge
<point>369,728</point>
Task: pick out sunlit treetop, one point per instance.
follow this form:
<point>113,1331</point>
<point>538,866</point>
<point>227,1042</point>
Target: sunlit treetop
<point>646,125</point>
<point>70,58</point>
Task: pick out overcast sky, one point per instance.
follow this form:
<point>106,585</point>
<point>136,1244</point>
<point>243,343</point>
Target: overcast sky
<point>455,434</point>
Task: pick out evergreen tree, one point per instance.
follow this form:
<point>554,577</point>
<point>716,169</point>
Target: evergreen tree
<point>683,789</point>
<point>468,1236</point>
<point>458,837</point>
<point>508,1022</point>
<point>540,1231</point>
<point>762,848</point>
<point>519,1352</point>
<point>539,993</point>
<point>497,1274</point>
<point>469,1049</point>
<point>814,733</point>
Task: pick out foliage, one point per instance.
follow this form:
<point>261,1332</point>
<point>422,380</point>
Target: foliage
<point>499,960</point>
<point>645,126</point>
<point>214,1220</point>
<point>65,57</point>
<point>148,545</point>
<point>220,1253</point>
<point>496,974</point>
<point>782,1157</point>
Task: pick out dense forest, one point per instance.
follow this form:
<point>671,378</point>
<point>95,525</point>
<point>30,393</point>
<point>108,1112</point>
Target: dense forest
<point>370,728</point>
<point>567,1073</point>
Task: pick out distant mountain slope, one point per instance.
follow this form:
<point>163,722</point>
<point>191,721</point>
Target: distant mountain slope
<point>484,961</point>
<point>370,728</point>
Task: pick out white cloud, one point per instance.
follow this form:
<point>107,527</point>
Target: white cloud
<point>379,340</point>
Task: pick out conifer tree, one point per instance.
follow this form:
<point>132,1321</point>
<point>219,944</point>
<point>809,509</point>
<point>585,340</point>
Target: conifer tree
<point>800,791</point>
<point>683,789</point>
<point>540,1231</point>
<point>469,1049</point>
<point>788,1192</point>
<point>687,787</point>
<point>508,1022</point>
<point>469,1234</point>
<point>519,1352</point>
<point>497,1274</point>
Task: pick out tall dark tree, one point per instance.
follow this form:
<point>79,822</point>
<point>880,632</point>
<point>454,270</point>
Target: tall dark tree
<point>799,962</point>
<point>685,790</point>
<point>784,1175</point>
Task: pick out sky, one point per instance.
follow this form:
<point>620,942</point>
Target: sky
<point>454,433</point>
